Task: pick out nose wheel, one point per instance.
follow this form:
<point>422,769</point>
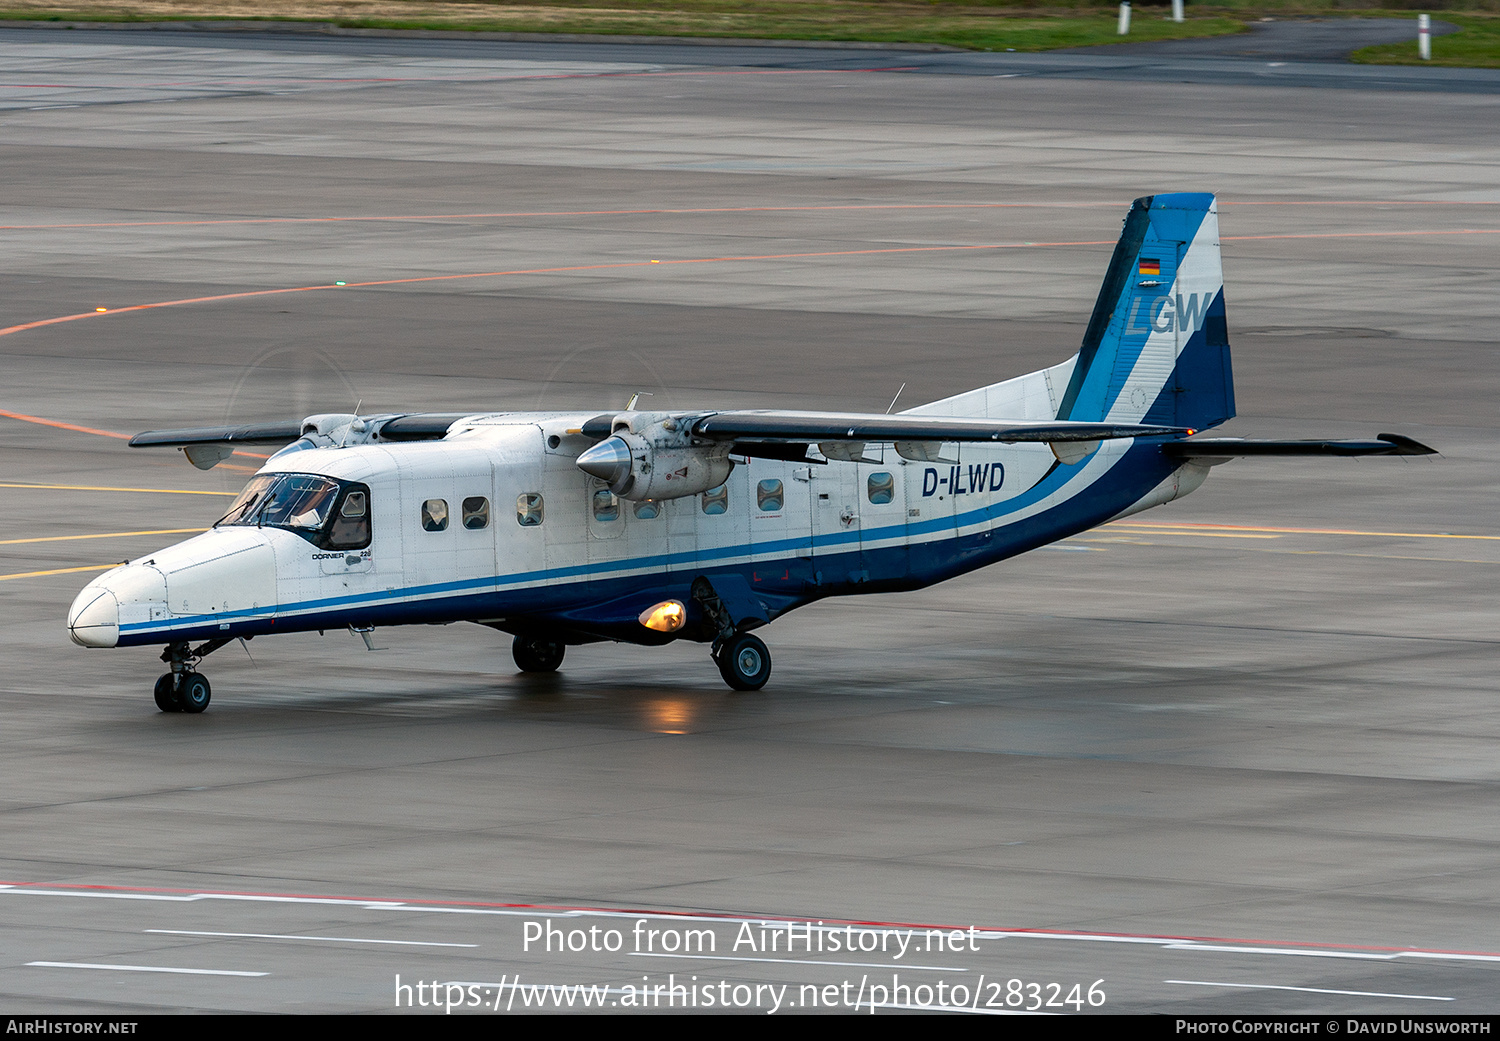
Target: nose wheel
<point>183,692</point>
<point>166,693</point>
<point>184,689</point>
<point>534,654</point>
<point>744,662</point>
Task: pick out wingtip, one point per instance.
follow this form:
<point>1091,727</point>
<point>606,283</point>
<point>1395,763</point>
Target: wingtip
<point>1407,445</point>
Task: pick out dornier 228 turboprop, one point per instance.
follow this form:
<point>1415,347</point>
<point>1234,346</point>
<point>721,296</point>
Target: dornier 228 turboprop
<point>648,527</point>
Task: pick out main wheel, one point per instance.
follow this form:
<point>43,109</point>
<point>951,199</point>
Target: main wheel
<point>534,654</point>
<point>166,694</point>
<point>744,662</point>
<point>194,692</point>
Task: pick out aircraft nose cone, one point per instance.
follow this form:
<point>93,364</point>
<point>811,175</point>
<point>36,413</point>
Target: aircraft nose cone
<point>609,461</point>
<point>94,618</point>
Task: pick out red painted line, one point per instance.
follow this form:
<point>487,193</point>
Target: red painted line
<point>667,211</point>
<point>692,260</point>
<point>573,213</point>
<point>1361,234</point>
<point>23,417</point>
<point>1366,202</point>
<point>524,271</point>
<point>731,916</point>
<point>61,425</point>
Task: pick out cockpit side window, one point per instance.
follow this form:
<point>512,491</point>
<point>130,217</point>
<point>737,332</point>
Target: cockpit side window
<point>351,522</point>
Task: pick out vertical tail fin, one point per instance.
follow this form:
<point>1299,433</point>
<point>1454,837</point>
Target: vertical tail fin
<point>1157,347</point>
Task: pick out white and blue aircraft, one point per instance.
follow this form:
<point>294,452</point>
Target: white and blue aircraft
<point>648,527</point>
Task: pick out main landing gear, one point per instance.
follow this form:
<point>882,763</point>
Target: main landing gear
<point>536,654</point>
<point>184,689</point>
<point>743,660</point>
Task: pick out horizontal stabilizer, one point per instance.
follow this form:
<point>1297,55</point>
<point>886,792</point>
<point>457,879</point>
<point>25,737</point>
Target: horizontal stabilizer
<point>907,427</point>
<point>1230,447</point>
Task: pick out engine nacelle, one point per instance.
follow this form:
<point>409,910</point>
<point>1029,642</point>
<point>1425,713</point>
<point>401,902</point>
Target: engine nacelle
<point>650,456</point>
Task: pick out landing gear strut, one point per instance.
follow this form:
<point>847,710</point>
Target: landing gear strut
<point>184,689</point>
<point>743,660</point>
<point>536,654</point>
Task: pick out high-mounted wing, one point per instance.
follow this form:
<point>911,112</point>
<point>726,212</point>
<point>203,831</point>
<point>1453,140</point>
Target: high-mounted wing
<point>206,447</point>
<point>853,426</point>
<point>248,434</point>
<point>657,455</point>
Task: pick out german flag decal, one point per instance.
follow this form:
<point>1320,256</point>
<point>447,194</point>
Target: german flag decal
<point>1150,267</point>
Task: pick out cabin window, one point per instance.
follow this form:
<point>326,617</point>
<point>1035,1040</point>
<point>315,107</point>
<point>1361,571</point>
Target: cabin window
<point>476,513</point>
<point>769,496</point>
<point>435,515</point>
<point>351,523</point>
<point>606,506</point>
<point>881,488</point>
<point>529,509</point>
<point>716,500</point>
<point>646,509</point>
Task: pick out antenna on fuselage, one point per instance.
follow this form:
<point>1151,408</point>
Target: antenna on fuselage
<point>363,632</point>
<point>894,400</point>
<point>637,396</point>
<point>354,425</point>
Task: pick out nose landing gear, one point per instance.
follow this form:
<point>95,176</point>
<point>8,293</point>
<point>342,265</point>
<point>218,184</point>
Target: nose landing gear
<point>536,654</point>
<point>184,689</point>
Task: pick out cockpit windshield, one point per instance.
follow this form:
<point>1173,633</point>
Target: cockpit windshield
<point>305,504</point>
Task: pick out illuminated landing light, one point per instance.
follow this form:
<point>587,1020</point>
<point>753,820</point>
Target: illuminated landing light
<point>666,617</point>
<point>101,310</point>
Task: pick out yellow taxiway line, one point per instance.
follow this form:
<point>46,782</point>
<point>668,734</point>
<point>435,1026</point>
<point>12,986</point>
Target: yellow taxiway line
<point>58,571</point>
<point>1203,529</point>
<point>103,535</point>
<point>101,488</point>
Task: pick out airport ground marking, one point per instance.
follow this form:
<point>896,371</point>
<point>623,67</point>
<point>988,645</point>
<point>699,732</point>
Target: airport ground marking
<point>1308,990</point>
<point>142,968</point>
<point>1289,951</point>
<point>627,264</point>
<point>1167,527</point>
<point>58,571</point>
<point>668,211</point>
<point>663,211</point>
<point>109,488</point>
<point>24,418</point>
<point>798,961</point>
<point>480,907</point>
<point>324,939</point>
<point>102,535</point>
<point>1202,534</point>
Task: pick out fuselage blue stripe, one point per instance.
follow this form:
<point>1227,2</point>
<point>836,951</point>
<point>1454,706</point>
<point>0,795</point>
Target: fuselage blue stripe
<point>1050,484</point>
